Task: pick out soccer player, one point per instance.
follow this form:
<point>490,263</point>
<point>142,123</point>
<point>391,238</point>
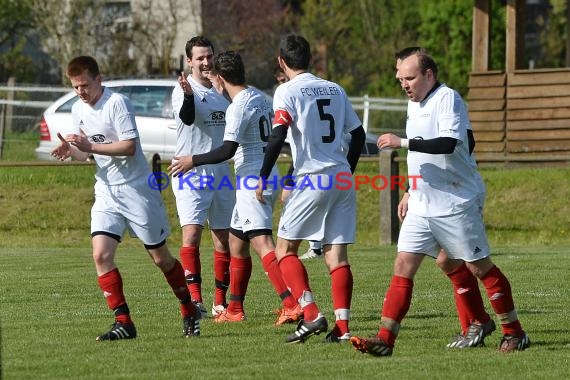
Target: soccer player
<point>200,111</point>
<point>315,246</point>
<point>445,208</point>
<point>248,126</point>
<point>476,324</point>
<point>317,112</point>
<point>467,296</point>
<point>106,127</point>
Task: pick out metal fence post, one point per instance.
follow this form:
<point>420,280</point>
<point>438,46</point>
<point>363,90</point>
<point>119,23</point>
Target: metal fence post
<point>389,198</point>
<point>156,169</point>
<point>8,126</point>
<point>366,113</point>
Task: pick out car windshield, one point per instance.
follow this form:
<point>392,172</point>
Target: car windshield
<point>66,107</point>
<point>153,101</point>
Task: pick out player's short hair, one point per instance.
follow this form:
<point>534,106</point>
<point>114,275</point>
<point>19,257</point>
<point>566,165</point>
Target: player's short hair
<point>197,41</point>
<point>425,60</point>
<point>80,64</point>
<point>295,50</point>
<point>229,66</point>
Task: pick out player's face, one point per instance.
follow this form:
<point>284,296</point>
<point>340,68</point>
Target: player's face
<point>202,62</point>
<point>280,78</point>
<point>415,84</point>
<point>87,88</point>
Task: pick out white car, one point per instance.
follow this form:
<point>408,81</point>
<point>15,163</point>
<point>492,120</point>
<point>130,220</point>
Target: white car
<point>151,99</point>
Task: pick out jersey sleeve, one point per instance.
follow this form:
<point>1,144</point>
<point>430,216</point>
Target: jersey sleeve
<point>75,117</point>
<point>232,131</point>
<point>124,119</point>
<point>352,121</point>
<point>282,112</point>
<point>449,116</point>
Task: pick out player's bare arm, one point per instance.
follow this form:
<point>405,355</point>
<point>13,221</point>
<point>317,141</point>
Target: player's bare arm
<point>403,207</point>
<point>289,184</point>
<point>65,150</point>
<point>116,148</point>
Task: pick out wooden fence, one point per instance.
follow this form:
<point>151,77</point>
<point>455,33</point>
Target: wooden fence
<point>521,117</point>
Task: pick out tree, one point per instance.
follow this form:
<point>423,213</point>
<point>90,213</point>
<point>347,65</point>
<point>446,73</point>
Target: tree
<point>117,33</point>
<point>364,35</point>
<point>69,28</point>
<point>15,21</point>
<point>251,27</point>
<point>155,25</point>
<point>446,32</point>
<point>552,36</point>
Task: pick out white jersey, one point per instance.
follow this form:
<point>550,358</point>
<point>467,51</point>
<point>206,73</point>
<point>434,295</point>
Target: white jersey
<point>318,113</point>
<point>112,119</point>
<point>248,122</point>
<point>449,183</point>
<point>208,129</point>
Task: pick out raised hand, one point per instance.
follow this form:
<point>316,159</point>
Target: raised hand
<point>184,84</point>
<point>63,150</point>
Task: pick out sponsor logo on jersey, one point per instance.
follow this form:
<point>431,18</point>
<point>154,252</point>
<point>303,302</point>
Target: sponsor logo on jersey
<point>97,139</point>
<point>217,115</point>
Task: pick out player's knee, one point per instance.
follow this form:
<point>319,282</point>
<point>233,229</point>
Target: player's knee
<point>101,257</point>
<point>406,265</point>
<point>164,262</point>
<point>481,267</point>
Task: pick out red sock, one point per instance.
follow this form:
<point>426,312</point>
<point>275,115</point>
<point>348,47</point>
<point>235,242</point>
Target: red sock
<point>499,293</point>
<point>467,297</point>
<point>240,272</point>
<point>221,276</point>
<point>271,268</point>
<point>111,283</point>
<point>341,289</point>
<point>177,282</point>
<point>295,276</point>
<point>190,257</point>
<point>396,305</point>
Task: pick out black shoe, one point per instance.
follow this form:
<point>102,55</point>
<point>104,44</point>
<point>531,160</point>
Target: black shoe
<point>331,338</point>
<point>119,331</point>
<point>308,329</point>
<point>475,335</point>
<point>203,311</point>
<point>191,325</point>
